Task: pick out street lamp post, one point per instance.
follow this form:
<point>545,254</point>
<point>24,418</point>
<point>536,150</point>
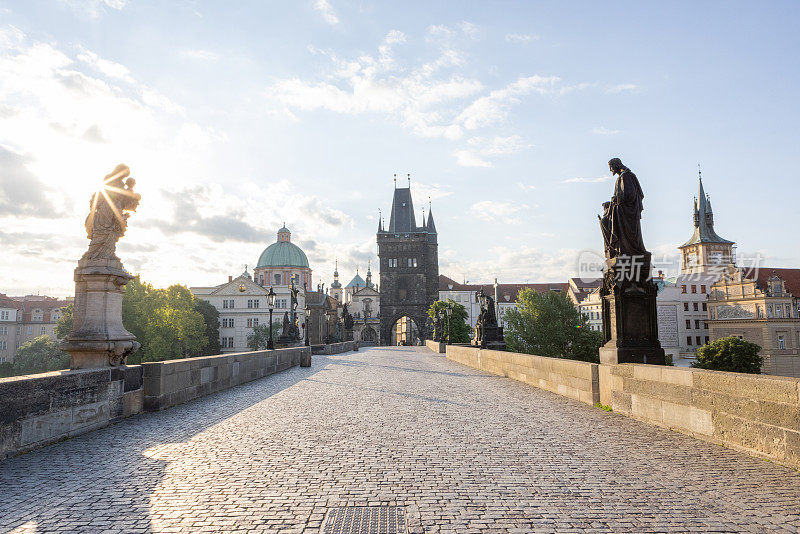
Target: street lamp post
<point>447,313</point>
<point>271,304</point>
<point>307,324</point>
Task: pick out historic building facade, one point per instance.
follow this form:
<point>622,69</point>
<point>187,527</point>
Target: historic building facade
<point>761,306</point>
<point>23,319</point>
<point>409,269</point>
<point>242,301</point>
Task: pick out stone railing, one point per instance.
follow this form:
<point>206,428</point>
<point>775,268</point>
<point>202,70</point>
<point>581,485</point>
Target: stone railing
<point>435,346</point>
<point>758,414</point>
<point>36,410</point>
<point>174,382</point>
<point>335,348</point>
<point>573,379</point>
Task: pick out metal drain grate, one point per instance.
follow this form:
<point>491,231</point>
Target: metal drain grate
<point>366,520</point>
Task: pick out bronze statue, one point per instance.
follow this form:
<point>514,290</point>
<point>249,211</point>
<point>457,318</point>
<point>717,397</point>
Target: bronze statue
<point>108,217</point>
<point>621,220</point>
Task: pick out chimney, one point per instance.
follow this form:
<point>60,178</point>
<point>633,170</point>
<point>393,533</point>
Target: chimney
<point>230,278</point>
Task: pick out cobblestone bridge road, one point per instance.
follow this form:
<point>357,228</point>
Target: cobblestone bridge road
<point>463,451</point>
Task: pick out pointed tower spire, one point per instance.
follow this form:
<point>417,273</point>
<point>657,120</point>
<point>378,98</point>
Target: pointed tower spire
<point>369,273</point>
<point>380,221</point>
<point>431,227</point>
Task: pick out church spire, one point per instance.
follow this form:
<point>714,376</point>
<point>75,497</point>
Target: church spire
<point>703,217</point>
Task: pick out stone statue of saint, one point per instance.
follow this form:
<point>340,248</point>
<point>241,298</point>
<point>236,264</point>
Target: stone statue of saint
<point>621,220</point>
<point>108,217</point>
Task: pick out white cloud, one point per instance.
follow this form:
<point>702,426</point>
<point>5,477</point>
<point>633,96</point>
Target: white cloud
<point>95,8</point>
<point>521,38</point>
<point>499,146</point>
<point>526,187</point>
<point>602,130</point>
<point>495,210</point>
<point>622,87</point>
<point>326,10</point>
<point>587,180</point>
<point>494,107</point>
<point>106,67</point>
<point>511,265</point>
<point>465,158</point>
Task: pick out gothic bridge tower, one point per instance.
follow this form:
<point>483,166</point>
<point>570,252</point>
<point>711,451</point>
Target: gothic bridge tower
<point>409,268</point>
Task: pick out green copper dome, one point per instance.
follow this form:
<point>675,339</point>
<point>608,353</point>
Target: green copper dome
<point>283,253</point>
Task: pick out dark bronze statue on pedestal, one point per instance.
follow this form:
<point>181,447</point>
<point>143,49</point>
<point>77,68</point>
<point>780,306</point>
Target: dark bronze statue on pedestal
<point>488,335</point>
<point>630,320</point>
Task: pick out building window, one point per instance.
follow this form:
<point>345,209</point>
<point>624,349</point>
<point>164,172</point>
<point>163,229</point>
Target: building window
<point>252,303</point>
<point>30,330</point>
<point>3,330</point>
<point>683,288</point>
<point>788,311</point>
<point>277,279</point>
<point>769,310</point>
<point>689,340</point>
<point>42,331</point>
<point>4,315</point>
<point>694,288</point>
<point>781,343</point>
<point>706,340</point>
<point>705,325</point>
<point>227,322</point>
<point>702,289</point>
<point>698,340</point>
<point>779,311</point>
<point>694,304</point>
<point>3,345</point>
<point>705,307</point>
<point>688,324</point>
<point>760,312</point>
<point>685,306</point>
<point>697,324</point>
<point>252,322</point>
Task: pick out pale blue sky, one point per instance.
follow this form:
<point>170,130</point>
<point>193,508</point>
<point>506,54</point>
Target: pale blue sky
<point>234,119</point>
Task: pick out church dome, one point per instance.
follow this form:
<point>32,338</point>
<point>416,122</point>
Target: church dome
<point>283,253</point>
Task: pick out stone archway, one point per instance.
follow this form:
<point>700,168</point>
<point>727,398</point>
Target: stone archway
<point>404,331</point>
<point>369,335</point>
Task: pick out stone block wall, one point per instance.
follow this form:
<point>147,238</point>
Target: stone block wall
<point>173,382</point>
<point>759,414</point>
<point>37,410</point>
<point>573,379</point>
<point>335,348</point>
<point>435,346</point>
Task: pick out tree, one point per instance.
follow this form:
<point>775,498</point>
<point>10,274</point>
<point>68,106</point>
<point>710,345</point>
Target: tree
<point>547,324</point>
<point>64,324</point>
<point>164,321</point>
<point>260,337</point>
<point>6,369</point>
<point>211,320</point>
<point>40,355</point>
<point>730,354</point>
<point>458,329</point>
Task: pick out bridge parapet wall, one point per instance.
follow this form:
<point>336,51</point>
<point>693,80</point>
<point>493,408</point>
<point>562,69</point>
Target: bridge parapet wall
<point>36,410</point>
<point>335,348</point>
<point>435,346</point>
<point>759,414</point>
<point>570,378</point>
<point>173,382</point>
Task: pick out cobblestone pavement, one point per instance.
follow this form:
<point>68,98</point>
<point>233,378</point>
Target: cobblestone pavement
<point>461,450</point>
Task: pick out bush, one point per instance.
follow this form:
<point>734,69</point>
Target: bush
<point>730,354</point>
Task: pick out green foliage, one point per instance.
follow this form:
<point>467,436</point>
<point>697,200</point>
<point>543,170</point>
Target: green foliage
<point>40,355</point>
<point>547,324</point>
<point>211,320</point>
<point>603,407</point>
<point>668,360</point>
<point>730,354</point>
<point>64,324</point>
<point>6,369</point>
<point>165,321</point>
<point>458,329</point>
<point>260,337</point>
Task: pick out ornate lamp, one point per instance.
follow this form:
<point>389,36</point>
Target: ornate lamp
<point>447,312</point>
<point>307,323</point>
<point>271,305</point>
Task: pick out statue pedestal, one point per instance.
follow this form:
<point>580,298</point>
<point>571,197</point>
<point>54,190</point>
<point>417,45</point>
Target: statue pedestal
<point>98,338</point>
<point>630,319</point>
<point>490,337</point>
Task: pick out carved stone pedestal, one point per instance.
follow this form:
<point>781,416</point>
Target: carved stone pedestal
<point>630,320</point>
<point>98,338</point>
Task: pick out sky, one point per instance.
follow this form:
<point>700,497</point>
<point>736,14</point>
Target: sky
<point>235,117</point>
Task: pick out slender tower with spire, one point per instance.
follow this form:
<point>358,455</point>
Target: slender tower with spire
<point>336,286</point>
<point>705,251</point>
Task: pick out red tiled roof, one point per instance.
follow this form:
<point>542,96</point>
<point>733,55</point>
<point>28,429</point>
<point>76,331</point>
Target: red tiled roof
<point>791,277</point>
<point>505,292</point>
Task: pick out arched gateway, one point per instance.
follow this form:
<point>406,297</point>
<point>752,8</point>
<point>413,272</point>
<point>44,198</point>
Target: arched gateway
<point>409,267</point>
